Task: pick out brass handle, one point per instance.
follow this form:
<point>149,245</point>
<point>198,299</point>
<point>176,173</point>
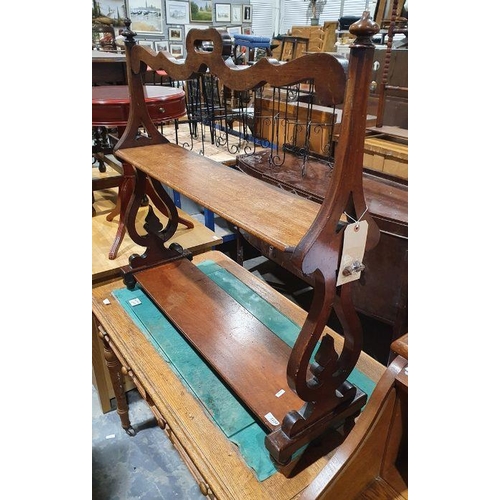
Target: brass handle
<point>161,110</point>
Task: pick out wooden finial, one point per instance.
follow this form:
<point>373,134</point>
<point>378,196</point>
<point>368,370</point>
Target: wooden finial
<point>128,33</point>
<point>364,29</point>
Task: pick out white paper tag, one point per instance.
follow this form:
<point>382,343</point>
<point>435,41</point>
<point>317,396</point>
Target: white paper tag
<point>271,419</point>
<point>280,393</point>
<point>353,252</point>
<point>134,302</point>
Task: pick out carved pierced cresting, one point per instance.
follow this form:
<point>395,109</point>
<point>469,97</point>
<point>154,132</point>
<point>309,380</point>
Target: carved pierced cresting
<point>318,375</point>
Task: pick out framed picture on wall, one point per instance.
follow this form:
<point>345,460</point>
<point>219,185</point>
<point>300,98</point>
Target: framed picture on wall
<point>223,12</point>
<point>200,11</point>
<point>247,13</point>
<point>146,43</point>
<point>234,30</point>
<point>114,9</point>
<point>189,27</point>
<point>161,45</point>
<point>177,49</point>
<point>177,12</point>
<point>146,21</point>
<point>175,34</point>
<point>235,14</point>
<point>247,30</point>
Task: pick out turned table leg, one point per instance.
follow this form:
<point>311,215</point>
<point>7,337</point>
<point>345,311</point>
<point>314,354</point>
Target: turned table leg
<point>114,367</point>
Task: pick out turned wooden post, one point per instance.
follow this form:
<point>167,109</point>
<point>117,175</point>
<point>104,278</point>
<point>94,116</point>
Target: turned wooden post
<point>115,367</point>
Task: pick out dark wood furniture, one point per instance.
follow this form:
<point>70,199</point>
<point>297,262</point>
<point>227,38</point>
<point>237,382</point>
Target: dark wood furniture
<point>110,109</point>
<point>246,355</point>
<point>197,239</point>
<point>372,463</point>
<point>109,68</point>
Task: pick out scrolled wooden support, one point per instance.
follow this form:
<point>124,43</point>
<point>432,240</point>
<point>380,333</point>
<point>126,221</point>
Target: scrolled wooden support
<point>156,236</point>
<point>322,382</point>
<point>317,373</point>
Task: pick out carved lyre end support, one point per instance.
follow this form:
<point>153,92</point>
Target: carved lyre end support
<point>156,235</point>
<point>317,373</point>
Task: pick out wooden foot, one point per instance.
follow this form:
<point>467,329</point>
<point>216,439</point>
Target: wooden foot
<point>120,234</point>
<point>283,444</point>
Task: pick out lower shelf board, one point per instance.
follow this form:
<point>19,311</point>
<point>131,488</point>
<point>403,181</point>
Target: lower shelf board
<point>219,466</point>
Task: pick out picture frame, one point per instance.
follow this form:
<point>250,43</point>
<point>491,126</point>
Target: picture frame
<point>247,30</point>
<point>177,49</point>
<point>115,10</point>
<point>200,11</point>
<point>146,43</point>
<point>189,27</point>
<point>150,21</point>
<point>247,13</point>
<point>175,34</point>
<point>177,12</point>
<point>236,14</point>
<point>222,12</point>
<point>233,30</point>
<point>161,45</point>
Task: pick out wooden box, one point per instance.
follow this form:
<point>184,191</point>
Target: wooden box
<point>387,156</point>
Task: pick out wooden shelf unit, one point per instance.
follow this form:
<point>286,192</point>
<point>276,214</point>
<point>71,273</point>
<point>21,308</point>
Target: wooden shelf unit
<point>243,353</point>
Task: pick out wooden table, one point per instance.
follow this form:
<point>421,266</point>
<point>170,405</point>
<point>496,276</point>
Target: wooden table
<point>214,461</point>
<point>110,108</point>
<point>109,68</point>
<point>197,239</point>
